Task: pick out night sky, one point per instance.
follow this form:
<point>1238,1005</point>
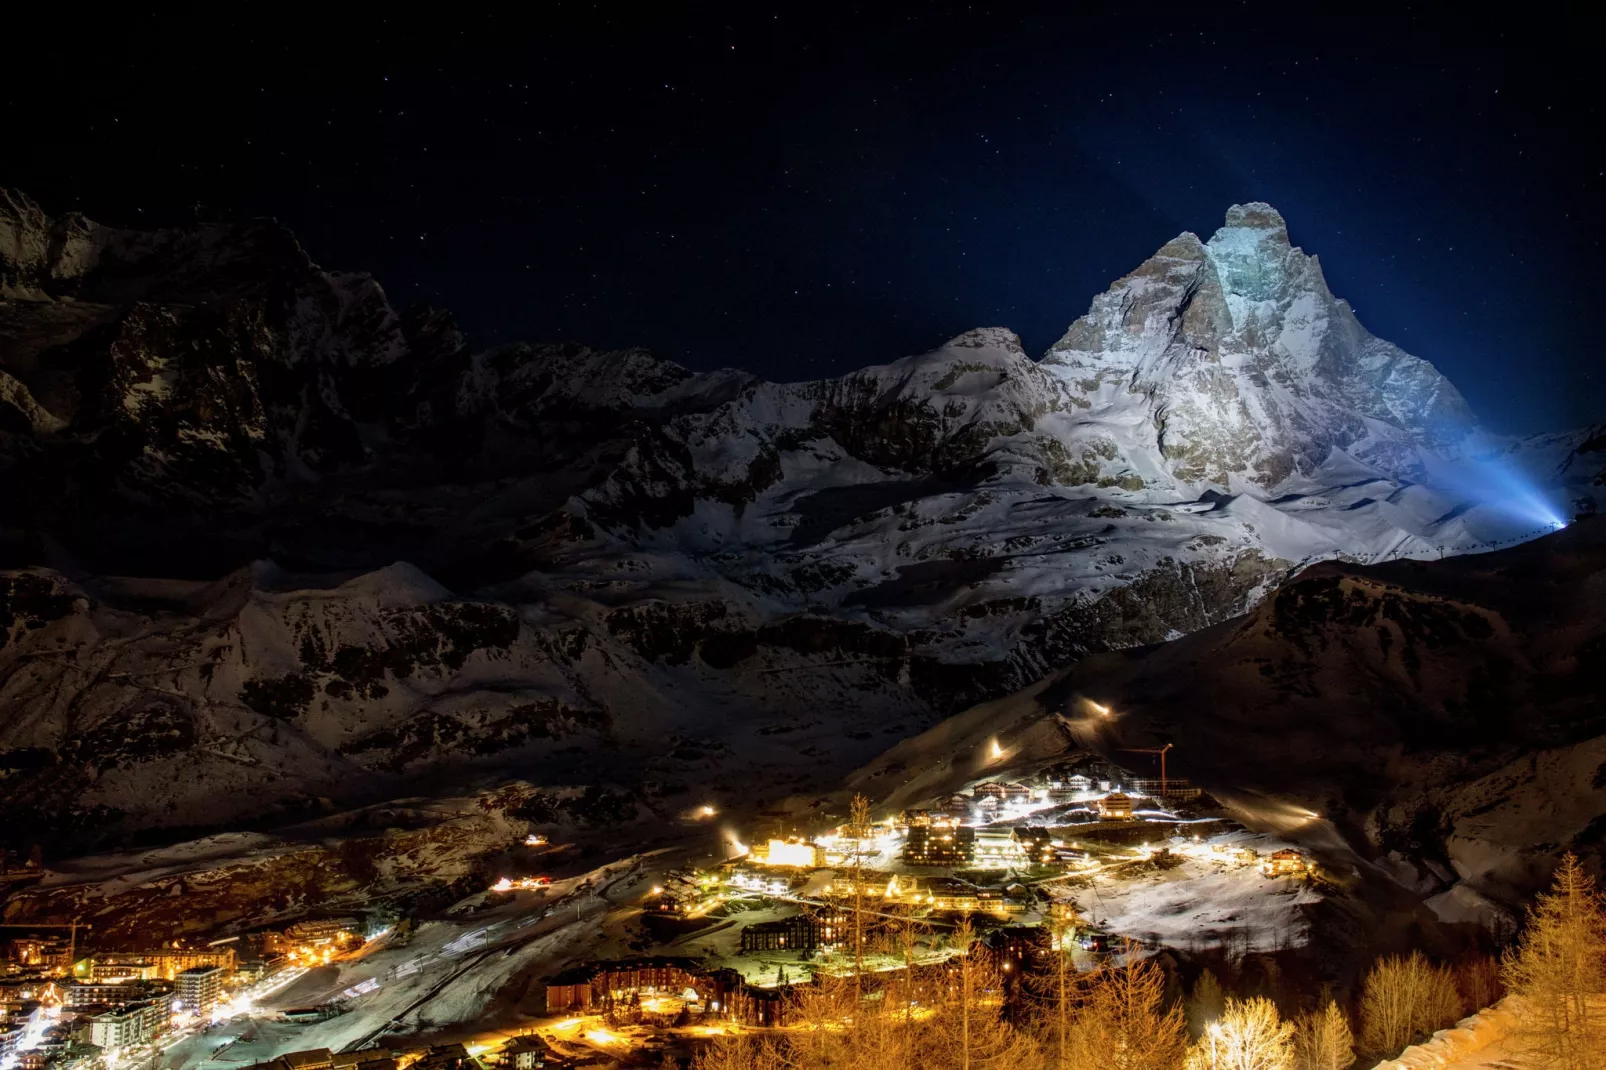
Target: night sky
<point>804,190</point>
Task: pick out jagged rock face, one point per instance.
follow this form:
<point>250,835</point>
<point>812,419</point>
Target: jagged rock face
<point>1250,369</point>
<point>596,539</point>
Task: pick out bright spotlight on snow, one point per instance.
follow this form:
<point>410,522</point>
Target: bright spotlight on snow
<point>706,811</point>
<point>997,749</point>
<point>1099,708</point>
<point>1501,485</point>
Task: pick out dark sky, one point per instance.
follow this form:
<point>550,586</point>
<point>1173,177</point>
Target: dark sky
<point>802,190</point>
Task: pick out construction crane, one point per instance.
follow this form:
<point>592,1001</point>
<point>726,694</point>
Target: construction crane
<point>1154,750</point>
<point>72,928</point>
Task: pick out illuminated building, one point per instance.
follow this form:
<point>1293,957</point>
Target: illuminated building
<point>91,995</point>
<point>199,988</point>
<point>911,818</point>
<point>30,989</point>
<point>169,962</point>
<point>527,1052</point>
<point>250,971</point>
<point>48,952</point>
<point>1116,806</point>
<point>570,990</point>
<point>1169,788</point>
<point>950,895</point>
<point>998,903</point>
<point>938,846</point>
<point>319,931</point>
<point>801,932</point>
<point>102,971</point>
<point>445,1057</point>
<point>1285,863</point>
<point>137,1023</point>
<point>996,849</point>
<point>1036,845</point>
<point>793,853</point>
<point>609,983</point>
<point>756,879</point>
<point>1019,945</point>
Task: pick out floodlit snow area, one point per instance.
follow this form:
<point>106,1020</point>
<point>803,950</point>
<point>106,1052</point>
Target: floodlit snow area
<point>1212,900</point>
<point>448,974</point>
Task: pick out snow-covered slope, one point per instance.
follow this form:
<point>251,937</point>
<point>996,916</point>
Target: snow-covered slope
<point>1444,716</point>
<point>401,557</point>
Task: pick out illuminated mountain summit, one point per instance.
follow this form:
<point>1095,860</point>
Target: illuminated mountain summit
<point>1250,369</point>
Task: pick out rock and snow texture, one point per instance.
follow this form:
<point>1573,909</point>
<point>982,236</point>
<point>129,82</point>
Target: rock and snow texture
<point>1444,716</point>
<point>401,554</point>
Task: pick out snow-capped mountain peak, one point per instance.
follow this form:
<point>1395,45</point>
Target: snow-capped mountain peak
<point>401,554</point>
<point>1246,367</point>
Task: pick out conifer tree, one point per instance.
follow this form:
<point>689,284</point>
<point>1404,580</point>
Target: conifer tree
<point>859,829</point>
<point>1056,990</point>
<point>1559,970</point>
<point>971,1032</point>
<point>1205,1002</point>
<point>1123,1022</point>
<point>1323,1040</point>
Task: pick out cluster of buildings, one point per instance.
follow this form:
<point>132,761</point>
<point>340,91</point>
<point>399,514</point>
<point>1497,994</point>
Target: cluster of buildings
<point>99,1006</point>
<point>669,988</point>
<point>940,841</point>
<point>64,1008</point>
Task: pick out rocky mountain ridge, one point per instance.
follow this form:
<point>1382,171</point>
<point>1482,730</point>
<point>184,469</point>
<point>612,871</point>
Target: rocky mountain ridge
<point>390,557</point>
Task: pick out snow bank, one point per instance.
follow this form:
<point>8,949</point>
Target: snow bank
<point>1455,1047</point>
